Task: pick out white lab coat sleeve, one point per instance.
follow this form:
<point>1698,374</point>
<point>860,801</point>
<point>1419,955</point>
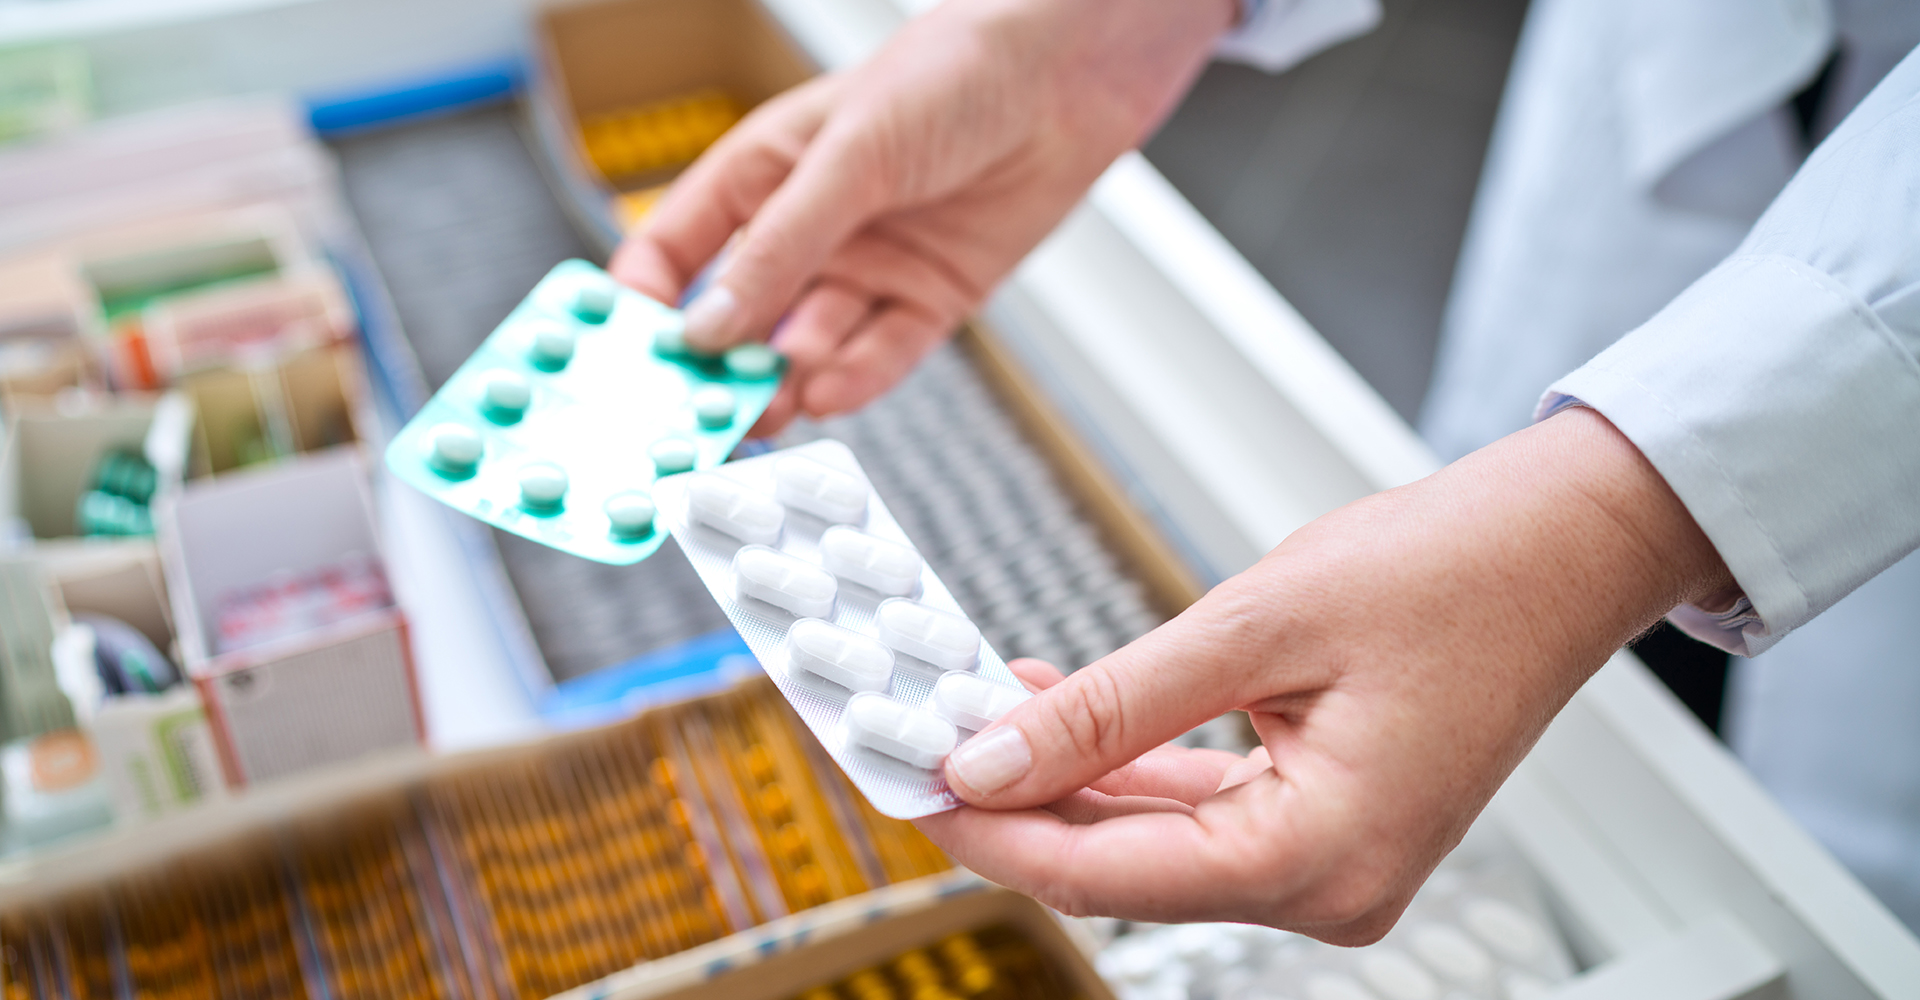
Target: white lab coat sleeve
<point>1779,396</point>
<point>1277,34</point>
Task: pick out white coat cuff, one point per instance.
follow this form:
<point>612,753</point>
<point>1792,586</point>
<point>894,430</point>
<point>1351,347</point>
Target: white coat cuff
<point>1781,410</point>
<point>1277,34</point>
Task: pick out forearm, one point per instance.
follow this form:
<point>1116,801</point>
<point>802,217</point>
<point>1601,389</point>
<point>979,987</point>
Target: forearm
<point>1547,550</point>
<point>1779,393</point>
<point>1488,592</point>
<point>1566,522</point>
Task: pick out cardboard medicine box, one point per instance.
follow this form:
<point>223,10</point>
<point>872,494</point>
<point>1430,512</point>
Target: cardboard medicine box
<point>306,400</point>
<point>228,324</point>
<point>132,269</point>
<point>818,947</point>
<point>156,750</point>
<point>44,307</point>
<point>50,455</point>
<point>284,623</point>
<point>677,71</point>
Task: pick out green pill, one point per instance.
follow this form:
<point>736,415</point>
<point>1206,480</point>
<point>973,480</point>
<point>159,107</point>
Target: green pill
<point>505,397</point>
<point>593,302</point>
<point>542,486</point>
<point>456,451</point>
<point>753,361</point>
<point>670,340</point>
<point>101,513</point>
<point>671,455</point>
<point>552,347</point>
<point>631,514</point>
<point>714,406</point>
<point>141,484</point>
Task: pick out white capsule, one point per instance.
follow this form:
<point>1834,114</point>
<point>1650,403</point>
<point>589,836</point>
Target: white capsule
<point>972,702</point>
<point>1453,953</point>
<point>844,657</point>
<point>1502,925</point>
<point>824,492</point>
<point>945,640</point>
<point>875,563</point>
<point>913,735</point>
<point>740,511</point>
<point>784,581</point>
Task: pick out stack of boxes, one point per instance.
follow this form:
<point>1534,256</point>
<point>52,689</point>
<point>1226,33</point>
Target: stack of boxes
<point>183,486</point>
<point>187,528</point>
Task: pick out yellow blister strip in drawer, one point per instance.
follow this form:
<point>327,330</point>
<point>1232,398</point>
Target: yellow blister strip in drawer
<point>583,862</point>
<point>370,898</point>
<point>996,962</point>
<point>809,854</point>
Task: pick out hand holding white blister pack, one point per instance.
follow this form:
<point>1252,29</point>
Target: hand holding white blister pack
<point>854,628</point>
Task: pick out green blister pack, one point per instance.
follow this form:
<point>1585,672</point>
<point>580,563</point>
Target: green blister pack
<point>557,426</point>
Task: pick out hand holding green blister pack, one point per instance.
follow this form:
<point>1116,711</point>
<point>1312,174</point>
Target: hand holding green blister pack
<point>557,426</point>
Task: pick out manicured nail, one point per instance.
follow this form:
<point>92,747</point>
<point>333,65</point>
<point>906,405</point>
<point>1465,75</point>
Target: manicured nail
<point>709,317</point>
<point>988,763</point>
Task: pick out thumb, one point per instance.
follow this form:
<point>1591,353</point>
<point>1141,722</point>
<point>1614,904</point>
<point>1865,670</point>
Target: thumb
<point>1098,719</point>
<point>835,189</point>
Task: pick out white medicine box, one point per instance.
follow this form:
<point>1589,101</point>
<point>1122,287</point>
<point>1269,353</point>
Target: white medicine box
<point>286,622</point>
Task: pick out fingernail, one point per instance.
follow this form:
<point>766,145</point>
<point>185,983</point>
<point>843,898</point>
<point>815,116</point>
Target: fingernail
<point>709,315</point>
<point>986,764</point>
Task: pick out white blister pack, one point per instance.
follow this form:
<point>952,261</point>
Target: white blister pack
<point>848,620</point>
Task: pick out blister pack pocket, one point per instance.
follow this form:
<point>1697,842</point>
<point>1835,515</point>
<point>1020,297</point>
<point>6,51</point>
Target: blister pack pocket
<point>557,426</point>
<point>854,628</point>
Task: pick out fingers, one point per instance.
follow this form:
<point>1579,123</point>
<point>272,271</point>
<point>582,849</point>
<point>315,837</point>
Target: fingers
<point>1227,860</point>
<point>838,184</point>
<point>1167,772</point>
<point>878,355</point>
<point>1087,806</point>
<point>1265,852</point>
<point>1172,772</point>
<point>808,338</point>
<point>812,336</point>
<point>1107,714</point>
<point>718,194</point>
<point>1037,675</point>
<point>1246,769</point>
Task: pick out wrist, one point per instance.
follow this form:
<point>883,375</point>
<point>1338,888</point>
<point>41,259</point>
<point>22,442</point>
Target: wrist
<point>1663,555</point>
<point>1545,552</point>
<point>1583,541</point>
<point>1125,61</point>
